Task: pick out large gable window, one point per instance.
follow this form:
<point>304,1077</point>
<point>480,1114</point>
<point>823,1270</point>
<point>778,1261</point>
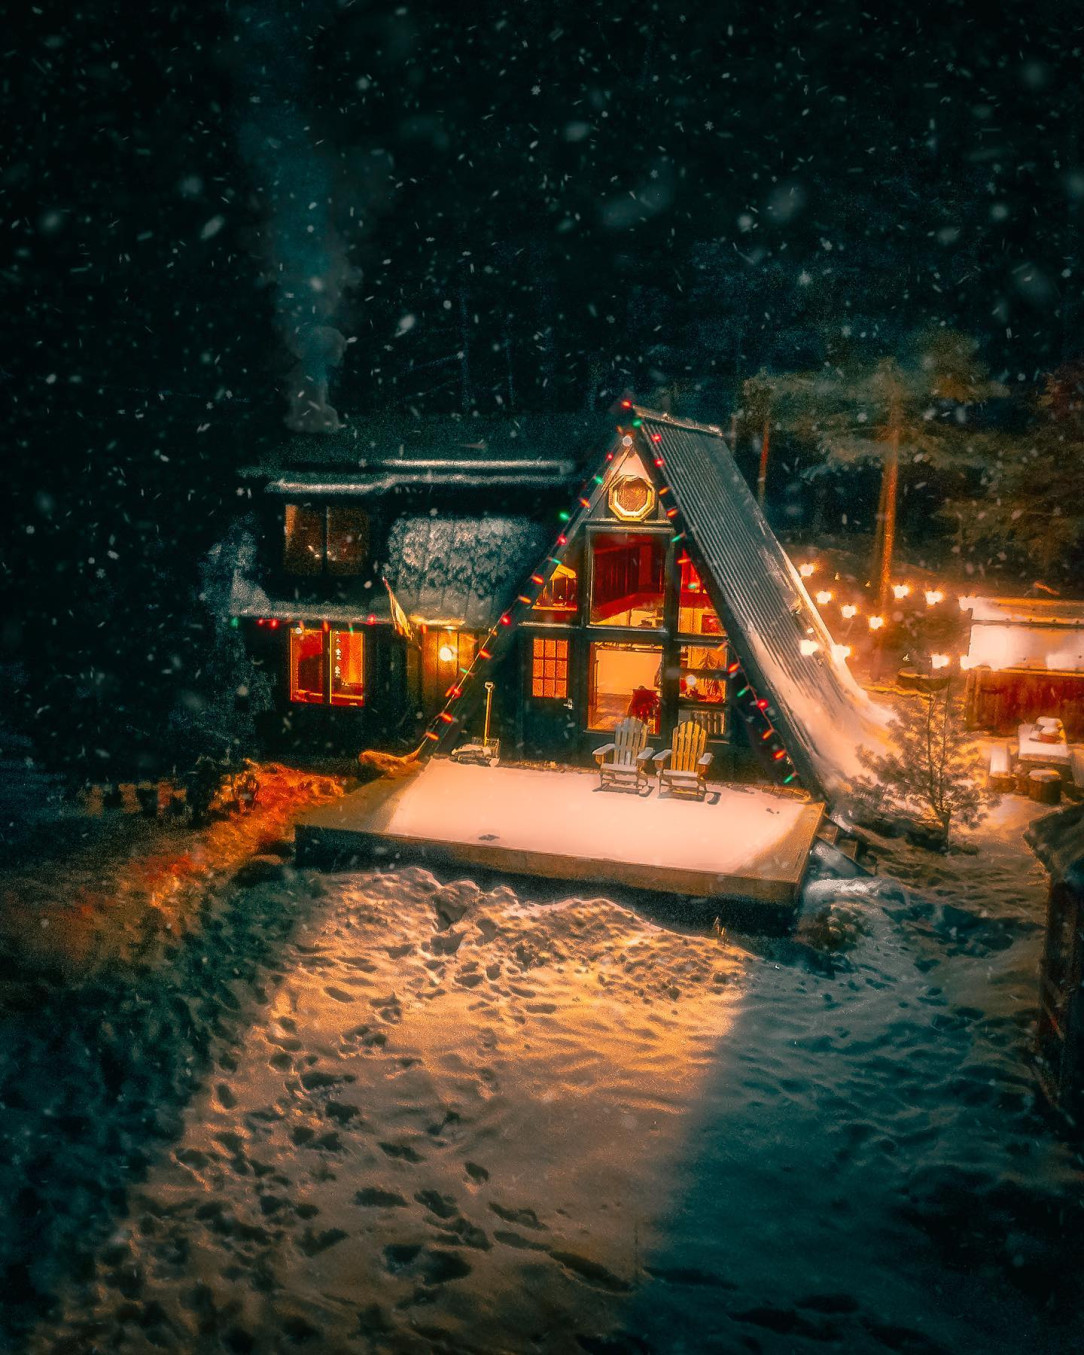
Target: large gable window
<point>325,539</point>
<point>624,680</point>
<point>627,576</point>
<point>696,615</point>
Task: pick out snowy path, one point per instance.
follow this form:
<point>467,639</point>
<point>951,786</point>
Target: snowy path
<point>459,1122</point>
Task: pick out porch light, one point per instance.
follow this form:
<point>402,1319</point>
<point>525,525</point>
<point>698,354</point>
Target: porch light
<point>446,654</point>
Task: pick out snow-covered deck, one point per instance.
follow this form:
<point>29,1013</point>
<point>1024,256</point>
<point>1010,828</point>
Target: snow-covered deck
<point>739,843</point>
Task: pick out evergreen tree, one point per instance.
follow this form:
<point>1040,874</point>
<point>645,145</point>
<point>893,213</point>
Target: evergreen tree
<point>934,773</point>
<point>899,410</point>
<point>1031,510</point>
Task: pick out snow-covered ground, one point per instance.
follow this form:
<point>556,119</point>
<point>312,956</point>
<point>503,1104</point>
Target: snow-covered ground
<point>397,1113</point>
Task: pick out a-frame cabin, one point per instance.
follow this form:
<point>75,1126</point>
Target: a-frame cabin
<point>589,572</point>
<point>665,594</point>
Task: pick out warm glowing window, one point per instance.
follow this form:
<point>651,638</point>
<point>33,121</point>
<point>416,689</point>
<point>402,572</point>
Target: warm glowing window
<point>307,667</point>
<point>696,615</point>
<point>624,680</point>
<point>549,668</point>
<point>347,668</point>
<point>703,674</point>
<point>627,579</point>
<point>329,538</point>
<point>304,545</point>
<point>558,599</point>
<point>347,540</point>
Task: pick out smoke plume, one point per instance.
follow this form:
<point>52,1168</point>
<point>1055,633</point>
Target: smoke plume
<point>307,263</point>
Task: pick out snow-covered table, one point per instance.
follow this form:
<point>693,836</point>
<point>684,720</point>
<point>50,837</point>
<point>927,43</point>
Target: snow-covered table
<point>1037,752</point>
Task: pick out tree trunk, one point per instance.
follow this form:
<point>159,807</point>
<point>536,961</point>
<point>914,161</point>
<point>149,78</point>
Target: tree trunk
<point>765,451</point>
<point>889,494</point>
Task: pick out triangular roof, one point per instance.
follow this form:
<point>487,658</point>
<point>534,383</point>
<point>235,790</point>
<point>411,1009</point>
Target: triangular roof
<point>822,712</point>
<point>784,647</point>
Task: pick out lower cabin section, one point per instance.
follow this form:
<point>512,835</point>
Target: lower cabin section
<point>558,693</point>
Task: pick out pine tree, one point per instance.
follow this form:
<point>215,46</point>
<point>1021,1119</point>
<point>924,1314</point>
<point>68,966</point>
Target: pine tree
<point>1032,508</point>
<point>934,773</point>
<point>893,412</point>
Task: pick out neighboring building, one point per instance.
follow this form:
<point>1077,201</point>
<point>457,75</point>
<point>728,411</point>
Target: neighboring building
<point>1025,659</point>
<point>590,573</point>
<point>1058,842</point>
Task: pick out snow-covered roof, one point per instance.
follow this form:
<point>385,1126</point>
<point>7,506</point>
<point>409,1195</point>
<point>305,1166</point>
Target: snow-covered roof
<point>461,569</point>
<point>823,714</point>
<point>1001,611</point>
<point>494,448</point>
<point>1058,841</point>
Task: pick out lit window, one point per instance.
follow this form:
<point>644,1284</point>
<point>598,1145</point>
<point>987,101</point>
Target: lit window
<point>627,579</point>
<point>558,599</point>
<point>347,540</point>
<point>304,544</point>
<point>331,539</point>
<point>624,680</point>
<point>549,669</point>
<point>696,615</point>
<point>703,675</point>
<point>307,681</point>
<point>347,668</point>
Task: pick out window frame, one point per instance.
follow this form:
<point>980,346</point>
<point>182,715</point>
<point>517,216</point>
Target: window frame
<point>326,569</point>
<point>328,696</point>
<point>561,659</point>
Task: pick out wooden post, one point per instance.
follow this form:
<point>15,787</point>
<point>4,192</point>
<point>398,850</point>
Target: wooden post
<point>889,493</point>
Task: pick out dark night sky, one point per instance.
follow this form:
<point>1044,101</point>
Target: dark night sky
<point>597,197</point>
<point>592,185</point>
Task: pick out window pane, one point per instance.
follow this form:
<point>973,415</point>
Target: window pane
<point>347,668</point>
<point>307,672</point>
<point>624,680</point>
<point>303,551</point>
<point>627,579</point>
<point>703,674</point>
<point>549,668</point>
<point>347,540</point>
<point>558,600</point>
<point>696,615</point>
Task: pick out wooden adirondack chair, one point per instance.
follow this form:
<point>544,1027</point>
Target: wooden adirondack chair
<point>683,767</point>
<point>625,761</point>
